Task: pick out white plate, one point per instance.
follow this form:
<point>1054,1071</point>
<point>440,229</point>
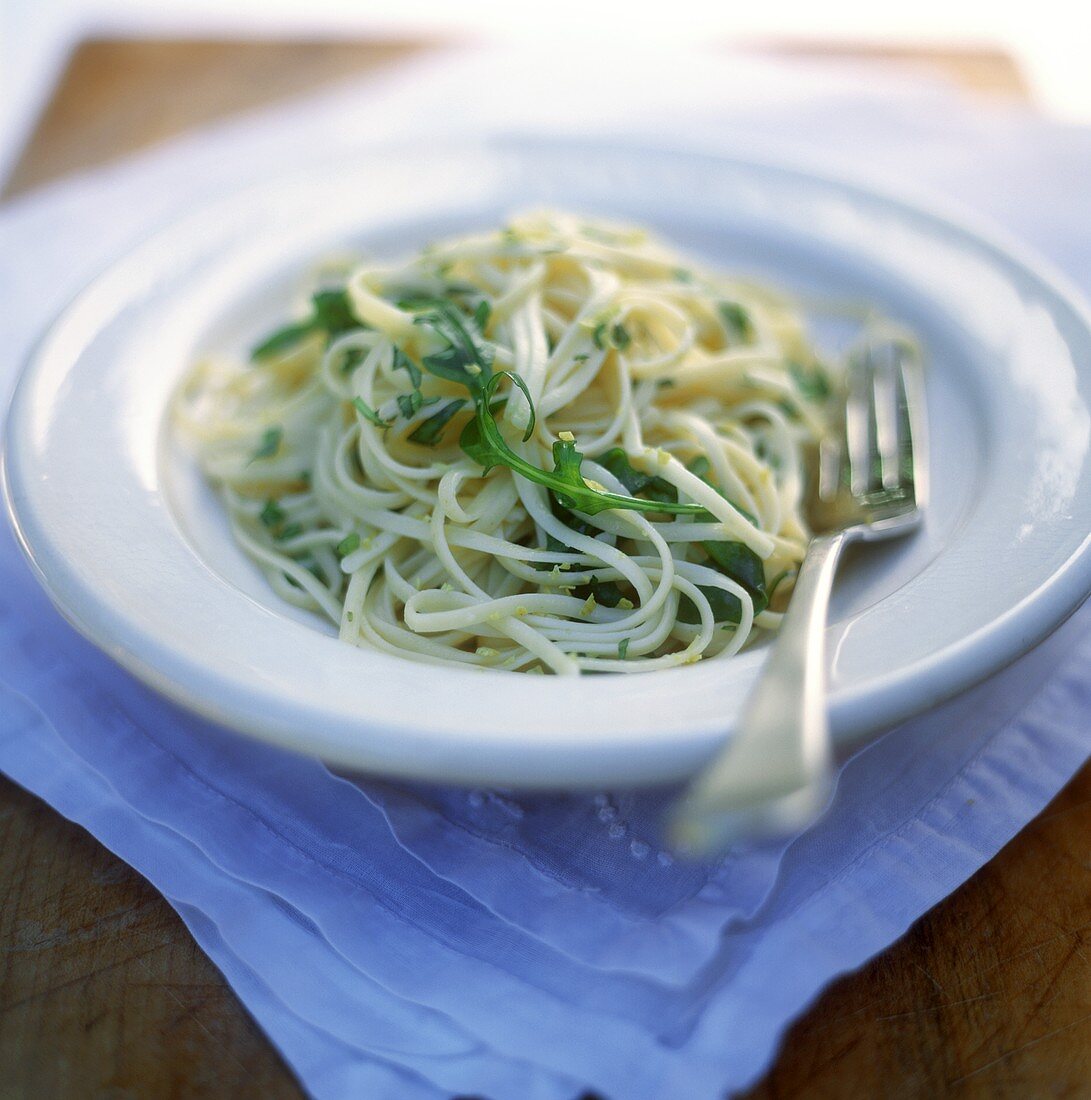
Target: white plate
<point>134,551</point>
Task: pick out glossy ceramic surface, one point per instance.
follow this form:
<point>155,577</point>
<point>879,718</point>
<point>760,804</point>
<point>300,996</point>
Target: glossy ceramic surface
<point>134,550</point>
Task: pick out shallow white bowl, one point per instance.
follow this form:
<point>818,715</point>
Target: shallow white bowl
<point>135,552</point>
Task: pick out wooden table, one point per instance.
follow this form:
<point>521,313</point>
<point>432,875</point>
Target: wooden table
<point>102,992</point>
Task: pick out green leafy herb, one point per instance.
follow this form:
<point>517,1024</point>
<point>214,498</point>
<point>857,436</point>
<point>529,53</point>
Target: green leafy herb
<point>348,544</point>
<point>581,358</point>
<point>482,440</point>
<point>699,467</point>
<point>623,649</point>
<point>403,362</point>
<point>681,275</point>
<point>738,562</point>
<point>429,432</point>
<point>736,320</point>
<point>272,515</point>
<point>812,384</point>
<point>482,314</point>
<point>411,403</point>
<point>290,531</point>
<point>331,313</point>
<point>606,336</point>
<point>282,340</point>
<point>636,481</point>
<point>606,593</point>
<point>368,413</point>
<point>269,445</point>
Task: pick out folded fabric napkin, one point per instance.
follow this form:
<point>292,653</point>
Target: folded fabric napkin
<point>406,940</point>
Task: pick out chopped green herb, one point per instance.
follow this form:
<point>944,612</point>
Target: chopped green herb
<point>581,358</point>
<point>269,445</point>
<point>429,432</point>
<point>606,593</point>
<point>623,649</point>
<point>606,336</point>
<point>665,383</point>
<point>331,313</point>
<point>351,359</point>
<point>403,362</point>
<point>411,403</point>
<point>681,275</point>
<point>482,314</point>
<point>272,515</point>
<point>699,467</point>
<point>736,320</point>
<point>348,544</point>
<point>290,531</point>
<point>368,413</point>
<point>813,384</point>
<point>284,339</point>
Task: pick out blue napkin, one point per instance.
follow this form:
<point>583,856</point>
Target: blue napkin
<point>406,940</point>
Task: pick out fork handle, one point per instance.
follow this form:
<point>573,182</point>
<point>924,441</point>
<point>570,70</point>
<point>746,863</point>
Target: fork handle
<point>774,774</point>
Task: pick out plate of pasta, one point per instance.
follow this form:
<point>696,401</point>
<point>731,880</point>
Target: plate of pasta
<point>493,465</point>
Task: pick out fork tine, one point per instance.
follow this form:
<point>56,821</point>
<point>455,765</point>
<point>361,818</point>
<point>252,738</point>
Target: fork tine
<point>884,409</point>
<point>857,423</point>
<point>914,435</point>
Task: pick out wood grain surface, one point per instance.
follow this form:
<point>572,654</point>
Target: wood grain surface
<point>103,993</point>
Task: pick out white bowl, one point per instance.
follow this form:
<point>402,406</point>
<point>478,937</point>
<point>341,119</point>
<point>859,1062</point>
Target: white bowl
<point>134,550</point>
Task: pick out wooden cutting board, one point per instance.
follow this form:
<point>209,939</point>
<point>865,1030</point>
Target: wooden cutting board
<point>102,991</point>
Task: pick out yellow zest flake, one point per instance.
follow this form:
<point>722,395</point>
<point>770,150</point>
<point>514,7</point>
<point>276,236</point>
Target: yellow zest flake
<point>521,611</point>
<point>589,605</point>
<point>625,604</point>
<point>568,437</point>
<point>472,368</point>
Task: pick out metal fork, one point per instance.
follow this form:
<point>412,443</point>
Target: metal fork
<point>775,773</point>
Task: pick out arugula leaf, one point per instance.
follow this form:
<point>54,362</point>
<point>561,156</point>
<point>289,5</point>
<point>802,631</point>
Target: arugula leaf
<point>331,313</point>
<point>813,384</point>
<point>482,440</point>
<point>411,403</point>
<point>736,320</point>
<point>606,593</point>
<point>467,359</point>
<point>429,432</point>
<point>636,481</point>
<point>368,413</point>
<point>282,340</point>
<point>269,445</point>
<point>738,562</point>
<point>403,362</point>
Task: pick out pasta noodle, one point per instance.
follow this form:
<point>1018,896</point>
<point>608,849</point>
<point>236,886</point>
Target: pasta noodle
<point>645,425</point>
